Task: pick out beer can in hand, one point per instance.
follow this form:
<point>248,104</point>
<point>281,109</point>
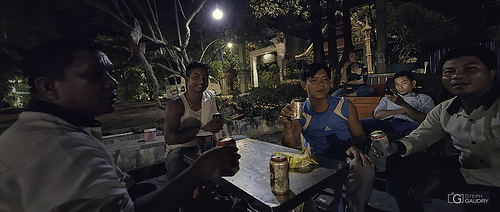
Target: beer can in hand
<point>278,167</point>
<point>381,143</point>
<point>296,109</point>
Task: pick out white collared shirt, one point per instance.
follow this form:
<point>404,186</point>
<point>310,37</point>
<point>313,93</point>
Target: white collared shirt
<point>420,102</point>
<point>475,135</point>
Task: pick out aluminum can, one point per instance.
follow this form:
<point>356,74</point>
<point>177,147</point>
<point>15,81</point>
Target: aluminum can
<point>150,134</point>
<point>296,109</point>
<point>278,167</point>
<point>381,143</point>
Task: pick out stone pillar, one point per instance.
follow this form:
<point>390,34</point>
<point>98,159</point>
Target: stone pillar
<point>225,88</point>
<point>243,67</point>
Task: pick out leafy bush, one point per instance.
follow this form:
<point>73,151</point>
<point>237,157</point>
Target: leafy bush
<point>265,102</point>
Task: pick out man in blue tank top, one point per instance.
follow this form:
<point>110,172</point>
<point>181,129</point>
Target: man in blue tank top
<point>332,128</point>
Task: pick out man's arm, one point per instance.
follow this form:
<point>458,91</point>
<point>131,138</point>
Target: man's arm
<point>174,110</point>
<point>382,114</point>
<point>291,128</point>
<point>180,189</point>
<point>359,139</point>
<point>408,109</point>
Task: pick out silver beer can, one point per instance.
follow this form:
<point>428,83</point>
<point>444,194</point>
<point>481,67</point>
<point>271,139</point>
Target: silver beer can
<point>278,167</point>
<point>296,109</point>
<point>381,143</point>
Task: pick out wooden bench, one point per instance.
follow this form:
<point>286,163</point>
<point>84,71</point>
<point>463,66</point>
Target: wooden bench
<point>365,105</point>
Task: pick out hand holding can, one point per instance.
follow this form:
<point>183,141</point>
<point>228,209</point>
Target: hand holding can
<point>228,141</point>
<point>381,143</point>
<point>296,109</point>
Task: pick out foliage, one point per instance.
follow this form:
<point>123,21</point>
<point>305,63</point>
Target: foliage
<point>21,96</point>
<point>275,8</point>
<point>358,21</point>
<point>265,102</point>
<point>410,27</point>
<point>269,75</point>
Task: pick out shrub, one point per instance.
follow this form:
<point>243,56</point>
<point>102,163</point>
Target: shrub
<point>265,102</point>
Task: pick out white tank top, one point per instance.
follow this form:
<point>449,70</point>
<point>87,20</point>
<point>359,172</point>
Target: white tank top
<point>196,119</point>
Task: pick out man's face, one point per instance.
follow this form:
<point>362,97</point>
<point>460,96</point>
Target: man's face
<point>197,80</point>
<point>89,86</point>
<point>317,86</point>
<point>467,76</point>
<point>404,85</point>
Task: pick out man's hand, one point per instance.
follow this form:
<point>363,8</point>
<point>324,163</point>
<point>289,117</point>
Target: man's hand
<point>397,99</point>
<point>359,156</point>
<point>213,126</point>
<point>212,163</point>
<point>373,147</point>
<point>285,114</point>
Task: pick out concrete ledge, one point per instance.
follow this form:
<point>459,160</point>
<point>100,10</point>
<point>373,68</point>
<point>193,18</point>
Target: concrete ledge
<point>254,127</point>
<point>131,154</point>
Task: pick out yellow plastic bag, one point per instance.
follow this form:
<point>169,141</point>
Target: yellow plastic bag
<point>299,160</point>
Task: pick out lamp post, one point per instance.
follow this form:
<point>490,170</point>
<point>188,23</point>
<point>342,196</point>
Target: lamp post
<point>206,48</point>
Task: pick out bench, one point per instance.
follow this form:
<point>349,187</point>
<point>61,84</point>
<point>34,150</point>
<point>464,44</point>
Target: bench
<point>365,105</point>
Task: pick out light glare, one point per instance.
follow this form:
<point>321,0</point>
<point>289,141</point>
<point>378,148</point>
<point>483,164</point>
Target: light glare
<point>217,14</point>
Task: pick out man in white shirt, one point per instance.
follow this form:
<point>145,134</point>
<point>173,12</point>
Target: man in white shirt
<point>472,119</point>
<point>186,115</point>
<point>52,159</point>
<point>400,112</point>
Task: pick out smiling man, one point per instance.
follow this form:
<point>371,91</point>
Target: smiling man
<point>400,112</point>
<point>331,126</point>
<point>186,115</point>
<point>472,118</point>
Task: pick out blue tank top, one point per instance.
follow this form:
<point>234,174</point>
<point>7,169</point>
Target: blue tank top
<point>327,132</point>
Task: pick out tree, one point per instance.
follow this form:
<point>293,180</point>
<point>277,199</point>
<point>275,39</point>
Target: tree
<point>411,28</point>
<point>140,21</point>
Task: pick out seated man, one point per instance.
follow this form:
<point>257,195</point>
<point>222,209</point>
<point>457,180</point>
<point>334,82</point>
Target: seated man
<point>187,114</point>
<point>400,112</point>
<point>52,159</point>
<point>331,126</point>
<point>472,118</point>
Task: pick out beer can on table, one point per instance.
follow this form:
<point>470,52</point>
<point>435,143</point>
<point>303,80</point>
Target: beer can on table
<point>278,166</point>
<point>381,142</point>
<point>296,109</point>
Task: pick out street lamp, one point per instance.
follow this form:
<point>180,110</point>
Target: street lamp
<point>230,45</point>
<point>217,14</point>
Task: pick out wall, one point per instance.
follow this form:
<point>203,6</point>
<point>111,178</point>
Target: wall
<point>130,151</point>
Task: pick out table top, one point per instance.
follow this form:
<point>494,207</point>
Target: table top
<point>252,180</point>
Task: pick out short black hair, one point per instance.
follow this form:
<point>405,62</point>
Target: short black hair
<point>50,59</point>
<point>407,74</point>
<point>312,69</point>
<point>196,64</point>
<point>485,55</point>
